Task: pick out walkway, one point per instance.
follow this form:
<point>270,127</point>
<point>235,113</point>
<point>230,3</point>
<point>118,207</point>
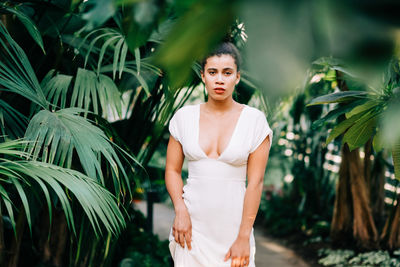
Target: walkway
<point>268,252</point>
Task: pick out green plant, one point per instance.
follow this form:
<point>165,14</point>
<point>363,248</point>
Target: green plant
<point>350,258</point>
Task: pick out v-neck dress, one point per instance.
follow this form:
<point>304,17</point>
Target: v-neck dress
<point>215,187</point>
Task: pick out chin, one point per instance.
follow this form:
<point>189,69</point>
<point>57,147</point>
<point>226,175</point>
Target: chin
<point>218,97</point>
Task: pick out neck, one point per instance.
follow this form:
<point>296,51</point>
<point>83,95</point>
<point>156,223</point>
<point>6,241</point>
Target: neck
<point>220,106</point>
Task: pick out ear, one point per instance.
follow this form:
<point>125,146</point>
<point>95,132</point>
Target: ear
<point>202,76</point>
<point>237,77</point>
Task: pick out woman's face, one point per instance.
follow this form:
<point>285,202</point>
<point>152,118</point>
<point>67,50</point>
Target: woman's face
<point>220,76</point>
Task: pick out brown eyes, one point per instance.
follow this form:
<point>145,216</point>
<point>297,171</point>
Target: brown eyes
<point>227,73</point>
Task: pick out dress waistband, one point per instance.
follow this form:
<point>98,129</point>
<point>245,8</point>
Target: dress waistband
<point>215,169</point>
<point>217,178</point>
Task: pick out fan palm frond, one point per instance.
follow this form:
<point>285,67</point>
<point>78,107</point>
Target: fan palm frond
<point>89,92</point>
<point>12,122</point>
<point>99,204</point>
<point>16,73</point>
<point>27,22</point>
<point>57,135</point>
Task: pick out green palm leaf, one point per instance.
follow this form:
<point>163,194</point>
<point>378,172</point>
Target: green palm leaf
<point>113,43</point>
<point>89,92</point>
<point>16,73</point>
<point>28,23</point>
<point>56,136</point>
<point>99,205</point>
<point>12,122</point>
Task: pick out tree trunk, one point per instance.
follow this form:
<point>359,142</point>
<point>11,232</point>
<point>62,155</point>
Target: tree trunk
<point>391,232</point>
<point>341,226</point>
<point>364,230</point>
<point>377,190</point>
<point>368,165</point>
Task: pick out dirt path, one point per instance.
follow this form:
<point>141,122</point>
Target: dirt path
<point>268,252</point>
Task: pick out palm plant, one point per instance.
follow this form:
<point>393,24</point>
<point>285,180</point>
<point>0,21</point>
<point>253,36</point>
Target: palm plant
<point>363,111</point>
<point>53,138</point>
<point>94,95</point>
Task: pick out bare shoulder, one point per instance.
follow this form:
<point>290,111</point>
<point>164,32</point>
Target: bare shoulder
<point>186,109</point>
<point>255,112</point>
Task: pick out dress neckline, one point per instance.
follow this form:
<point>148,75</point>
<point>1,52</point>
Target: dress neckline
<point>230,140</point>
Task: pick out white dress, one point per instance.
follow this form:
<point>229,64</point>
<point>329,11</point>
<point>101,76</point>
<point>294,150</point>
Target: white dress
<point>215,188</point>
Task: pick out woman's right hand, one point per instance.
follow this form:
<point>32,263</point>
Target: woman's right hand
<point>182,228</point>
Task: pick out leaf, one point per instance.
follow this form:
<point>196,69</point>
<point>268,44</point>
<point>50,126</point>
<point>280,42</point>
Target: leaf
<point>396,160</point>
<point>98,204</point>
<point>333,114</point>
<point>16,73</point>
<point>338,97</point>
<point>137,58</point>
<point>56,88</point>
<point>28,23</point>
<point>362,130</point>
<point>140,20</point>
<point>341,127</point>
<point>12,122</point>
<point>117,51</point>
<point>377,141</point>
<point>99,11</point>
<point>107,43</point>
<point>333,64</point>
<point>89,92</point>
<point>362,108</point>
<point>390,124</point>
<point>63,133</point>
<point>142,81</point>
<point>192,37</point>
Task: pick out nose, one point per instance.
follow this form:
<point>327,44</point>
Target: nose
<point>220,79</point>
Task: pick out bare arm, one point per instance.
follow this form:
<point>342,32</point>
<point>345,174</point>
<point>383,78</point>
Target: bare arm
<point>182,228</point>
<point>256,164</point>
<point>173,170</point>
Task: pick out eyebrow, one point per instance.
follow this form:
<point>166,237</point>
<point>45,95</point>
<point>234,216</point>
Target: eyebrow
<point>214,69</point>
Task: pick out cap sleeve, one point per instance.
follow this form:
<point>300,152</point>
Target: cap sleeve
<point>174,127</point>
<point>261,131</point>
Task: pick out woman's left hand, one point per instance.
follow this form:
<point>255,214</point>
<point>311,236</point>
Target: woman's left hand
<point>239,252</point>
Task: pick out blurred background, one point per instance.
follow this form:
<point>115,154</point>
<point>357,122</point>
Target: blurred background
<point>87,89</point>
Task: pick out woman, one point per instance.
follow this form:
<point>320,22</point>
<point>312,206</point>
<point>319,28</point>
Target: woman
<point>224,142</point>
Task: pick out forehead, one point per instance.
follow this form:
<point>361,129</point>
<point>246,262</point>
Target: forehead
<point>220,62</point>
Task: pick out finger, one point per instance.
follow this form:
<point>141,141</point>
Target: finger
<point>246,263</point>
<point>235,262</point>
<point>182,240</point>
<point>176,235</point>
<point>188,238</point>
<point>242,262</point>
<point>227,255</point>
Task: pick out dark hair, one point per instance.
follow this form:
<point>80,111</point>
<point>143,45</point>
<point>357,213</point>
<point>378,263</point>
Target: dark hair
<point>225,48</point>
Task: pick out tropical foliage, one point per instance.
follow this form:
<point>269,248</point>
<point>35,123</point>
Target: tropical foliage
<point>361,182</point>
<point>304,201</point>
<point>82,111</point>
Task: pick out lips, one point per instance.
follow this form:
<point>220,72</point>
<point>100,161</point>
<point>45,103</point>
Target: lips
<point>219,90</point>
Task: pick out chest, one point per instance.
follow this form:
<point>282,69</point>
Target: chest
<point>216,133</point>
